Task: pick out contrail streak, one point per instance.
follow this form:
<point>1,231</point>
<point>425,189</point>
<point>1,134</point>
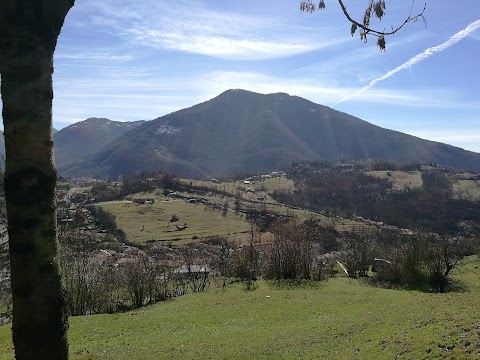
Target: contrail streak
<point>417,58</point>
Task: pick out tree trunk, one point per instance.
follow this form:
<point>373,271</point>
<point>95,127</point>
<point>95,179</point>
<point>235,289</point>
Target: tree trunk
<point>28,34</point>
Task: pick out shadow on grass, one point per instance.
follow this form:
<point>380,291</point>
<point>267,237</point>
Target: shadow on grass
<point>292,284</point>
<point>457,286</point>
<point>453,286</point>
<point>249,285</point>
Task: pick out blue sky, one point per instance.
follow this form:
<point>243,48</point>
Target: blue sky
<point>140,59</point>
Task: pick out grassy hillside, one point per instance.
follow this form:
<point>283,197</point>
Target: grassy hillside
<point>400,179</point>
<point>338,319</point>
<point>142,223</point>
<point>268,185</point>
<point>467,189</point>
<point>152,222</point>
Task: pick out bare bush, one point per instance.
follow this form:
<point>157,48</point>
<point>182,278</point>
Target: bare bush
<point>245,263</point>
<point>424,260</point>
<point>83,275</point>
<point>140,279</point>
<point>358,252</point>
<point>295,251</point>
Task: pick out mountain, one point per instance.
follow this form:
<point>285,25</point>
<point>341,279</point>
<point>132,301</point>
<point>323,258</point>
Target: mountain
<point>78,140</point>
<point>244,131</point>
<point>86,137</point>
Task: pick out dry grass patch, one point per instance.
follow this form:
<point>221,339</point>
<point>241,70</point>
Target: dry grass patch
<point>400,179</point>
<point>153,222</point>
<point>467,189</point>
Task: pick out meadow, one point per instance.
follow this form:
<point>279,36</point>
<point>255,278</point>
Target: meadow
<point>142,223</point>
<point>467,189</point>
<point>337,319</point>
<point>267,185</point>
<point>400,179</point>
<point>149,222</point>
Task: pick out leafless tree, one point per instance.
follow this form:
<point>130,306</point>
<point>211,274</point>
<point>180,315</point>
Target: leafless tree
<point>359,252</point>
<point>139,276</point>
<point>245,263</point>
<point>424,260</point>
<point>444,255</point>
<point>292,251</point>
<point>404,260</point>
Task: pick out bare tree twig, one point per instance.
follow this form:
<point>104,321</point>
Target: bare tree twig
<point>374,7</point>
<point>369,30</point>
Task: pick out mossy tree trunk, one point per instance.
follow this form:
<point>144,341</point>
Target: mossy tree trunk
<point>28,35</point>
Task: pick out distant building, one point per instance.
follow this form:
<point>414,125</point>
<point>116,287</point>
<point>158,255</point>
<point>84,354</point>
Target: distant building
<point>193,269</point>
<point>143,200</point>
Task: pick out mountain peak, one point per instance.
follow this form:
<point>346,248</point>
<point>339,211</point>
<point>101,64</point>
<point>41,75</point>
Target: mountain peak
<point>235,92</point>
<point>86,137</point>
<point>240,131</point>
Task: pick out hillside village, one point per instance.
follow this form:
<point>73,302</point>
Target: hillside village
<point>154,237</point>
<point>156,218</point>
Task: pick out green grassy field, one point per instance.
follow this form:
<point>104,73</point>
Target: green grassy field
<point>151,222</point>
<point>261,188</point>
<point>337,319</point>
<point>142,223</point>
<point>400,179</point>
<point>280,183</point>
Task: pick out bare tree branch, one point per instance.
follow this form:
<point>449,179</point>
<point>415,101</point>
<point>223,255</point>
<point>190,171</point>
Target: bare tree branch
<point>374,7</point>
<point>382,33</point>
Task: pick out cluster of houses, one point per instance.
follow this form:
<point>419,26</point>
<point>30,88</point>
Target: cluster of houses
<point>117,258</point>
<point>257,178</point>
<point>129,254</point>
<point>468,177</point>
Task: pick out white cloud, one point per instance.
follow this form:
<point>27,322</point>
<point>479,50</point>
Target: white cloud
<point>89,56</point>
<point>124,93</point>
<point>312,89</point>
<point>219,46</point>
<point>464,138</point>
<point>192,28</point>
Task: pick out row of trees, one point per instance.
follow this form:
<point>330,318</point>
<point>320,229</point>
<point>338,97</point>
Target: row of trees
<point>423,260</point>
<point>94,287</point>
<point>95,284</point>
<point>298,251</point>
<point>306,251</point>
